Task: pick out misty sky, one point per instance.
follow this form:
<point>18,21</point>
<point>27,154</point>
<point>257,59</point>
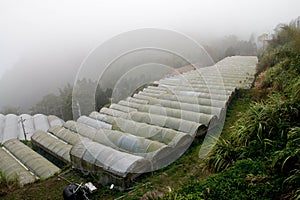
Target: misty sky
<point>36,35</point>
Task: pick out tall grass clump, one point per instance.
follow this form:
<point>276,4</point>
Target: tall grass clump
<point>269,131</point>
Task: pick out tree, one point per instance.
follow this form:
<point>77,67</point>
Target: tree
<point>59,105</point>
<point>102,98</point>
<point>230,51</point>
<point>11,110</point>
<point>65,98</point>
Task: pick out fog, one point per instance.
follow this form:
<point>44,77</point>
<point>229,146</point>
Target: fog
<point>43,43</point>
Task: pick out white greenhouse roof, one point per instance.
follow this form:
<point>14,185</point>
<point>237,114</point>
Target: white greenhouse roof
<point>11,125</point>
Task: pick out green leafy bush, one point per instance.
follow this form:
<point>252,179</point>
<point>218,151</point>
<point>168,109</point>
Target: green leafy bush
<point>268,131</point>
<point>260,131</point>
<point>246,179</point>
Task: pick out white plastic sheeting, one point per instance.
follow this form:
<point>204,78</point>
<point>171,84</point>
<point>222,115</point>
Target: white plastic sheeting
<point>28,126</point>
<point>11,125</point>
<point>184,99</point>
<point>221,93</point>
<point>177,105</point>
<point>41,122</point>
<point>94,157</point>
<point>2,125</point>
<point>64,134</point>
<point>94,123</point>
<point>182,103</point>
<point>200,118</point>
<point>118,140</point>
<point>193,92</point>
<point>157,120</point>
<point>11,128</point>
<point>55,121</point>
<point>164,135</point>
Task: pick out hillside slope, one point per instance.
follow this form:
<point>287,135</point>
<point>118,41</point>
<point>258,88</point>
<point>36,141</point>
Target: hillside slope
<point>260,157</point>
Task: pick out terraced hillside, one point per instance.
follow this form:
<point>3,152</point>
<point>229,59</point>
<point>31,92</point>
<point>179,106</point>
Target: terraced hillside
<point>153,127</point>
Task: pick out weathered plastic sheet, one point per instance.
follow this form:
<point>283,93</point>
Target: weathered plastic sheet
<point>53,146</point>
<point>94,123</point>
<point>178,105</point>
<point>94,157</point>
<point>116,139</point>
<point>160,134</point>
<point>200,118</point>
<point>64,134</point>
<point>13,171</point>
<point>39,165</point>
<point>53,121</point>
<point>185,99</point>
<point>158,120</point>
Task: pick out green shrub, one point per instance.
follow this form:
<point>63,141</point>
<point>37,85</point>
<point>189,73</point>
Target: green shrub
<point>295,91</point>
<point>287,161</point>
<point>246,179</point>
<point>260,131</point>
<point>293,181</point>
<point>224,155</point>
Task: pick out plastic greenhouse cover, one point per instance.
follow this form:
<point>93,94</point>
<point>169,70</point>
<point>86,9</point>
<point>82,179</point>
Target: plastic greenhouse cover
<point>193,91</point>
<point>178,105</point>
<point>158,120</point>
<point>188,91</point>
<point>11,125</point>
<point>167,114</point>
<point>28,126</point>
<point>41,122</point>
<point>218,83</point>
<point>94,123</point>
<point>11,128</point>
<point>207,86</point>
<point>201,118</point>
<point>197,78</point>
<point>13,170</point>
<point>53,120</point>
<point>41,166</point>
<point>101,157</point>
<point>53,146</point>
<point>64,134</point>
<point>2,125</point>
<point>160,134</point>
<point>184,99</point>
<point>200,92</point>
<point>118,140</point>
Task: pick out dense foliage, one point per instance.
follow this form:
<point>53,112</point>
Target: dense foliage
<point>61,104</point>
<point>246,179</point>
<point>260,158</point>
